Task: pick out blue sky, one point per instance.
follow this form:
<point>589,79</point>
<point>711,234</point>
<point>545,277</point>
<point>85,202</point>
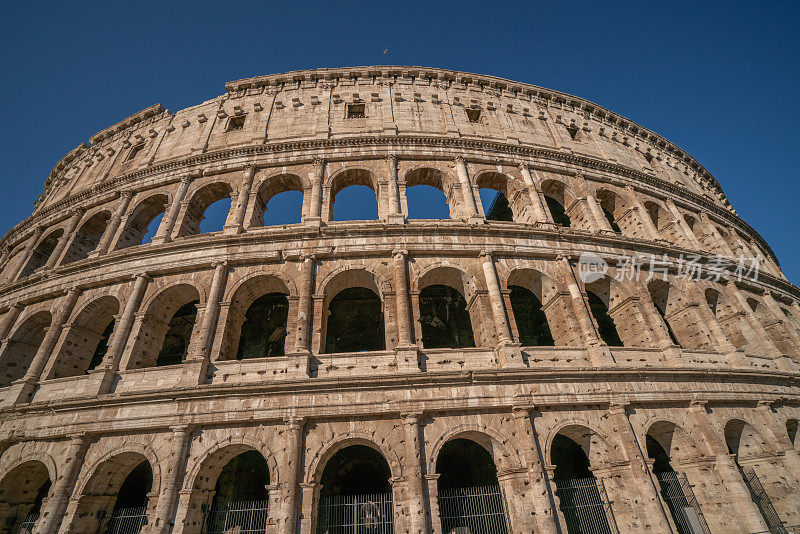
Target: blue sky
<point>720,80</point>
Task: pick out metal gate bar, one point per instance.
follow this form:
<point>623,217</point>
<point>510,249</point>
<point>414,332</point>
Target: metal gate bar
<point>26,527</point>
<point>585,508</point>
<point>762,500</point>
<point>356,514</point>
<point>678,494</point>
<point>127,520</point>
<point>475,509</point>
<point>249,517</point>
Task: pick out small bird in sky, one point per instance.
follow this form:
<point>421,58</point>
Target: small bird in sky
<point>385,51</point>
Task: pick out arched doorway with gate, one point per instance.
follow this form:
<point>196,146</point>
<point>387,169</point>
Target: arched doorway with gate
<point>356,494</point>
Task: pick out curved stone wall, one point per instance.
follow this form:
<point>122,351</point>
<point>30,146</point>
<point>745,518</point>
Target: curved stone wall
<point>116,352</point>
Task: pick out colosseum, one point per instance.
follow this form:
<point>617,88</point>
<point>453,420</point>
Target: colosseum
<point>468,374</point>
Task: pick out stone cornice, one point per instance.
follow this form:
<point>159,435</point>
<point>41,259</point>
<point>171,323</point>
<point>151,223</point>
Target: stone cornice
<point>394,141</point>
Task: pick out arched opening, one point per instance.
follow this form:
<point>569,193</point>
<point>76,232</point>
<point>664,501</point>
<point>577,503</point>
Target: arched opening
<point>130,508</point>
<point>279,200</point>
<point>355,322</point>
<point>86,340</point>
<point>356,494</point>
<point>22,491</point>
<point>656,214</point>
<point>555,197</point>
<point>143,222</point>
<point>660,294</point>
<point>426,195</point>
<point>427,202</point>
<point>263,332</point>
<point>22,346</point>
<point>42,253</point>
<point>470,499</point>
<point>179,333</point>
<point>608,203</point>
<point>662,438</point>
<point>166,328</point>
<point>791,431</point>
<point>497,194</point>
<point>207,210</point>
<point>745,443</point>
<point>696,229</point>
<point>444,318</point>
<point>353,197</point>
<point>580,500</point>
<point>240,501</point>
<point>87,237</point>
<point>605,324</point>
<point>532,325</point>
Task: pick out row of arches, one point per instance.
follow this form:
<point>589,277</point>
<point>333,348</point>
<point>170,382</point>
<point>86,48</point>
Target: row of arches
<point>237,487</point>
<point>448,309</point>
<point>424,192</point>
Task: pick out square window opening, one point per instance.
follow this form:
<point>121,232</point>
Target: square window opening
<point>135,149</point>
<point>356,111</point>
<point>236,123</point>
<point>474,114</point>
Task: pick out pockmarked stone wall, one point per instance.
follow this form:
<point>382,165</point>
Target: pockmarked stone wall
<point>609,347</point>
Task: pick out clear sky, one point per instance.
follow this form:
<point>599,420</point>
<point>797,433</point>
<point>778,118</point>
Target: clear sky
<point>720,80</point>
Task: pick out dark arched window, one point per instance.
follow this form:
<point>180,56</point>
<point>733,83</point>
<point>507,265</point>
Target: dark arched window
<point>264,328</point>
<point>240,495</point>
<point>355,322</point>
<point>444,318</point>
<point>557,211</point>
<point>102,346</point>
<point>605,324</point>
<point>530,318</point>
<point>176,341</point>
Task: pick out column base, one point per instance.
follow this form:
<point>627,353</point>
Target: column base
<point>396,218</point>
<point>601,356</point>
<point>160,240</point>
<point>20,392</point>
<point>475,219</point>
<point>314,222</point>
<point>234,229</point>
<point>407,359</point>
<point>194,371</point>
<point>509,356</point>
<point>673,355</point>
<point>784,363</point>
<point>298,365</point>
<point>103,379</point>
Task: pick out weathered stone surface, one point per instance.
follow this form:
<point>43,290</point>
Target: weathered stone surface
<point>707,370</point>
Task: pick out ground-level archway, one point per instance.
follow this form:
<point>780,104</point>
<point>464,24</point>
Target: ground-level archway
<point>470,499</point>
<point>241,496</point>
<point>22,491</point>
<point>356,494</point>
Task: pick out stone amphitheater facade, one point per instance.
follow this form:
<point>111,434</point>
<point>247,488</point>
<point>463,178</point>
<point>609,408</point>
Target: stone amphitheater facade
<point>644,385</point>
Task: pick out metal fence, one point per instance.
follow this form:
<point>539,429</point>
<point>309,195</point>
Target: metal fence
<point>356,514</point>
<point>247,517</point>
<point>27,524</point>
<point>127,520</point>
<point>678,494</point>
<point>475,509</point>
<point>585,506</point>
<point>762,501</point>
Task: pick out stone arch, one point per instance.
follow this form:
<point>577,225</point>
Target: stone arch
<point>666,301</point>
<point>534,280</point>
<point>561,201</point>
<point>446,273</point>
<point>498,446</point>
<point>22,490</point>
<point>205,467</point>
<point>242,296</point>
<point>271,186</point>
<point>595,445</point>
<point>87,332</point>
<point>529,291</point>
<point>345,178</point>
<point>198,202</point>
<point>159,312</point>
<point>602,295</point>
<point>42,251</point>
<point>22,345</point>
<point>87,237</point>
<point>326,450</point>
<point>96,494</point>
<point>346,283</point>
<point>510,188</point>
<point>438,179</point>
<point>138,222</point>
<point>744,440</point>
<point>676,442</point>
<point>615,208</point>
<point>18,454</point>
<point>447,298</point>
<point>659,215</point>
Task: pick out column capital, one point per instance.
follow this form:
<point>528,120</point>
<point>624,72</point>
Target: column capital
<point>520,412</point>
<point>391,158</point>
<point>319,162</point>
<point>181,429</point>
<point>249,168</point>
<point>460,160</point>
<point>186,178</point>
<point>294,422</point>
<point>127,193</point>
<point>400,253</point>
<point>306,257</point>
<point>221,263</point>
<point>143,274</point>
<point>486,254</point>
<point>411,417</point>
<point>698,405</point>
<point>616,408</point>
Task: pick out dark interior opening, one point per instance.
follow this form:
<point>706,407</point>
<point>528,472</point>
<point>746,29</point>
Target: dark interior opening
<point>557,211</point>
<point>102,346</point>
<point>264,328</point>
<point>176,341</point>
<point>133,491</point>
<point>534,331</point>
<point>244,478</point>
<point>356,470</point>
<point>462,463</point>
<point>444,318</point>
<point>611,220</point>
<point>569,458</point>
<point>658,454</point>
<point>605,324</point>
<point>355,322</point>
<point>499,209</point>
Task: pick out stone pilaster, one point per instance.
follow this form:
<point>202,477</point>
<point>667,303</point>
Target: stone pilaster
<point>52,512</point>
<point>468,194</point>
<point>395,213</point>
<point>201,348</point>
<point>317,182</point>
<point>113,224</point>
<point>9,319</point>
<point>540,211</point>
<point>165,229</point>
<point>508,352</point>
<point>414,474</point>
<point>171,480</point>
<point>236,225</point>
<point>25,255</point>
<point>294,456</point>
<point>69,233</point>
